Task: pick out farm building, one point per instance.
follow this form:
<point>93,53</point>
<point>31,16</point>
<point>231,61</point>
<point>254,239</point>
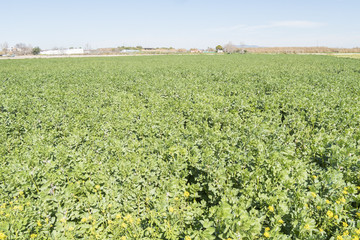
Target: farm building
<point>63,51</point>
<point>129,51</point>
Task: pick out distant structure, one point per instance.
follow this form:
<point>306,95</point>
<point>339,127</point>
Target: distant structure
<point>63,51</point>
<point>195,50</point>
<point>13,49</point>
<point>129,51</point>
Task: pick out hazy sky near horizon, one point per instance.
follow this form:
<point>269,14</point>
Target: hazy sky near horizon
<point>180,23</point>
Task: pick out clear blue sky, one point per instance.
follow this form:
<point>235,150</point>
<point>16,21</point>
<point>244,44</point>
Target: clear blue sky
<point>180,23</point>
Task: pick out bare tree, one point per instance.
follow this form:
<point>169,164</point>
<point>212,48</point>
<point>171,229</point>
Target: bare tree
<point>4,47</point>
<point>62,50</point>
<point>87,47</point>
<point>22,48</point>
<point>230,48</point>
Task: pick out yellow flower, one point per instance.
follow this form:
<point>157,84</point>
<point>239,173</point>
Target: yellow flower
<point>346,233</point>
<point>110,221</point>
<point>358,187</point>
<point>118,216</point>
<point>32,236</point>
<point>21,193</point>
<point>343,200</point>
<point>321,230</point>
<point>124,225</point>
<point>187,238</point>
<point>271,208</point>
<point>123,238</point>
<point>339,238</point>
<point>313,194</point>
<point>129,218</point>
<point>355,238</point>
<point>176,199</point>
<point>327,201</point>
<point>228,239</point>
<point>306,205</point>
<point>28,204</point>
<point>318,207</point>
<point>2,236</point>
<point>83,220</point>
<point>267,229</point>
<point>307,227</point>
<point>346,188</point>
<point>97,187</point>
<point>186,194</point>
<point>330,214</point>
<point>336,216</point>
<point>3,205</point>
<point>20,208</point>
<point>345,224</point>
<point>110,205</point>
<point>314,177</point>
<point>171,209</point>
<point>266,234</point>
<point>358,214</point>
<point>39,223</point>
<point>63,220</point>
<point>280,221</point>
<point>90,217</point>
<point>71,229</point>
<point>357,231</point>
<point>338,202</point>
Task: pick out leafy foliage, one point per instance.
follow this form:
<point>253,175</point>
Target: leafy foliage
<point>219,47</point>
<point>36,51</point>
<point>180,147</point>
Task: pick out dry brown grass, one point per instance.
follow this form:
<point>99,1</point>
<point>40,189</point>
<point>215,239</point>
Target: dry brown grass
<point>300,50</point>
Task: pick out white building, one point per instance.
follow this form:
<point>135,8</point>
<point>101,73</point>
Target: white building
<point>13,49</point>
<point>129,51</point>
<point>63,52</point>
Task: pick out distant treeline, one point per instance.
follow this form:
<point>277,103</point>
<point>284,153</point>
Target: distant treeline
<point>302,50</point>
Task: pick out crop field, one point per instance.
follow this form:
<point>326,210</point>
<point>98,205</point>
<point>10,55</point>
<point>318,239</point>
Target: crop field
<point>180,147</point>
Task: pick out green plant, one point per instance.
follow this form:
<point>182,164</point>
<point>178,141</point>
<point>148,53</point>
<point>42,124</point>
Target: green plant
<point>180,147</point>
<point>36,51</point>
